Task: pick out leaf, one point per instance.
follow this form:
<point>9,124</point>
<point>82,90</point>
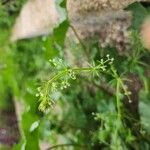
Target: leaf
<point>145,114</point>
<point>34,126</point>
<point>60,32</point>
<point>55,42</point>
<point>31,138</point>
<point>63,3</point>
<point>50,50</point>
<point>139,14</point>
<point>29,127</point>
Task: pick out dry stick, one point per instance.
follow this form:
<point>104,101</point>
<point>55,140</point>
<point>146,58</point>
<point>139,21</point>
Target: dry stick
<point>65,145</point>
<point>103,86</point>
<point>5,2</point>
<point>106,88</point>
<point>77,36</point>
<point>80,41</point>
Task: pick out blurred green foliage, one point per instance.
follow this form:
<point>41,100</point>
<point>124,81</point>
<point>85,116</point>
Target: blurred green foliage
<point>86,115</point>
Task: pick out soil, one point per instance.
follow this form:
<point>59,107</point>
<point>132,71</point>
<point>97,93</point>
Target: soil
<point>9,132</point>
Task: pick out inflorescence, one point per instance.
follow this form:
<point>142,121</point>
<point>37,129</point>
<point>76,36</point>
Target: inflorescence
<point>62,77</point>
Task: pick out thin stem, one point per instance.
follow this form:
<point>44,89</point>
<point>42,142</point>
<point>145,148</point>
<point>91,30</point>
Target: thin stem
<point>117,77</point>
<point>103,86</point>
<point>118,98</point>
<point>60,74</point>
<point>45,91</point>
<point>80,41</point>
<point>65,145</point>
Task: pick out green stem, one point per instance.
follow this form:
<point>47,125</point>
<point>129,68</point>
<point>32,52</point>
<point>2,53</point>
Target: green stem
<point>118,99</point>
<point>62,73</point>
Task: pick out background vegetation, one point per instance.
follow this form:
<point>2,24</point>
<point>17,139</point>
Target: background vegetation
<point>105,106</point>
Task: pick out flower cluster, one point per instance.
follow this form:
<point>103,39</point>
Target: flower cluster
<point>62,77</point>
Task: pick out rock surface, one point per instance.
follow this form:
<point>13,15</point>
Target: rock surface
<point>39,17</point>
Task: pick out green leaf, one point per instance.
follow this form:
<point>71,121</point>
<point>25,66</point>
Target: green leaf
<point>31,138</point>
<point>34,126</point>
<point>55,42</point>
<point>145,114</point>
<point>139,14</point>
<point>60,32</point>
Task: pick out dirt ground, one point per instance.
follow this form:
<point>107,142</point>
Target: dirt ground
<point>9,132</point>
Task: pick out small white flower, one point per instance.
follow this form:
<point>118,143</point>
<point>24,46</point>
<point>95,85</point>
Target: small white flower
<point>107,55</point>
<point>37,95</point>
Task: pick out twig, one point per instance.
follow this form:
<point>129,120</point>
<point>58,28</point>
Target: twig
<point>80,41</point>
<point>65,145</point>
<point>104,86</point>
<point>5,2</point>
